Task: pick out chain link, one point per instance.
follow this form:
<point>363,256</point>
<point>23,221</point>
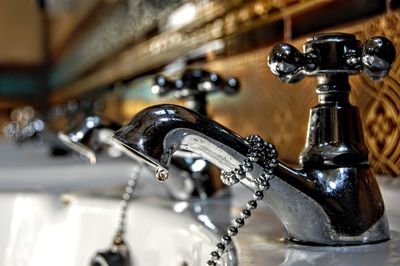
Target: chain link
<point>129,188</point>
<point>265,154</point>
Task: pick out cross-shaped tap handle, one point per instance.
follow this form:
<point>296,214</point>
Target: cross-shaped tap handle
<point>195,82</point>
<point>333,53</point>
<point>194,86</point>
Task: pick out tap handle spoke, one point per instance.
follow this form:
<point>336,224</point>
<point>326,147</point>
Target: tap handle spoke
<point>195,82</point>
<point>328,54</point>
<point>377,56</point>
<point>286,62</point>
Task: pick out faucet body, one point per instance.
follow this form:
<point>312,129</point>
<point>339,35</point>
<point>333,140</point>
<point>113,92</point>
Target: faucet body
<point>334,198</point>
<point>308,207</point>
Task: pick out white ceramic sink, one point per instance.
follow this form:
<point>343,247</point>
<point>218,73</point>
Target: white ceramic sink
<point>42,224</point>
<point>40,229</point>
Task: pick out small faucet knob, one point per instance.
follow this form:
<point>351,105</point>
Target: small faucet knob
<point>378,54</point>
<point>194,86</point>
<point>287,63</point>
<point>332,54</point>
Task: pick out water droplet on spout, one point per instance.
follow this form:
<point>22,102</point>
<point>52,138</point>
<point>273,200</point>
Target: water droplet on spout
<point>161,174</point>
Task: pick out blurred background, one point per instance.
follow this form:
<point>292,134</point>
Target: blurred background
<point>61,60</point>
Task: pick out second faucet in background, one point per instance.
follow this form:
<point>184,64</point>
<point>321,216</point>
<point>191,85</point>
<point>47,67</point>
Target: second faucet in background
<point>194,177</point>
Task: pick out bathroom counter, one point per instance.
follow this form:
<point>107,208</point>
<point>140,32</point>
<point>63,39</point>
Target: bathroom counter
<point>260,241</point>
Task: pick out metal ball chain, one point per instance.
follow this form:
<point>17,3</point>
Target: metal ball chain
<point>260,151</point>
<point>265,154</point>
<point>118,238</point>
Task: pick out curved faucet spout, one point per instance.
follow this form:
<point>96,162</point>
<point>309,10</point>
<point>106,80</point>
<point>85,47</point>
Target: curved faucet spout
<point>324,206</point>
<point>156,133</point>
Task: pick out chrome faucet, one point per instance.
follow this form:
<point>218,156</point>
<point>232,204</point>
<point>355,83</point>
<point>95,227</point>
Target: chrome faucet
<point>334,198</point>
<point>88,137</point>
<point>24,125</point>
<point>193,176</point>
<point>194,86</point>
<point>28,125</point>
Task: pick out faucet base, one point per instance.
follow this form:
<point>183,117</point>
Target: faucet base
<point>379,232</point>
<point>308,221</point>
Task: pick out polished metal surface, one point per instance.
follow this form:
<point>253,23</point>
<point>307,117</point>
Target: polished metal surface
<point>334,199</point>
<point>335,156</point>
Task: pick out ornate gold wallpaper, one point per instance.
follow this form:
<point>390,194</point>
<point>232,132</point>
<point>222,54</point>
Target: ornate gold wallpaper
<point>279,112</point>
<point>380,102</point>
